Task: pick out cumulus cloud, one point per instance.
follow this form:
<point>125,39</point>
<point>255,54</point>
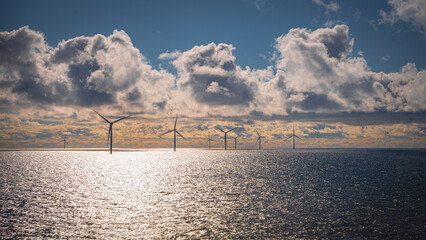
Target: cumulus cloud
<point>412,11</point>
<point>406,89</point>
<point>212,78</point>
<point>318,74</point>
<point>79,72</point>
<point>331,6</point>
<point>316,71</point>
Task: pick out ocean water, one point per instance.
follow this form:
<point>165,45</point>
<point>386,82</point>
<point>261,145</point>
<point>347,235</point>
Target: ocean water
<point>216,194</point>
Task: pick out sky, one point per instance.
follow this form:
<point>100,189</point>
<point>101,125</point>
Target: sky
<point>342,73</point>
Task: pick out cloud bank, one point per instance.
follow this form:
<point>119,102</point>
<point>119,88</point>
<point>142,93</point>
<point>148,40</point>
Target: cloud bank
<point>312,72</point>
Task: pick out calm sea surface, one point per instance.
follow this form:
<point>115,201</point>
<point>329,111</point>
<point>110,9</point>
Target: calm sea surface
<point>192,194</point>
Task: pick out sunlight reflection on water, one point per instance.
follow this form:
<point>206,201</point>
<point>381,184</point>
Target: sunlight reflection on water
<point>213,194</point>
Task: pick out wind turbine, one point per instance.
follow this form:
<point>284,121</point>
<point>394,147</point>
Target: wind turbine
<point>110,130</point>
<point>174,131</point>
<point>235,142</point>
<point>210,141</point>
<point>226,132</point>
<point>65,140</point>
<point>259,139</point>
<point>294,136</point>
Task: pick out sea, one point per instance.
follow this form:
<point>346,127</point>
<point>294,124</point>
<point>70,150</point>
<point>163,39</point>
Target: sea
<point>213,194</point>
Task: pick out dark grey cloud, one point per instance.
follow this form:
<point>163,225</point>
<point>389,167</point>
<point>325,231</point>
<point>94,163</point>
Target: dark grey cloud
<point>318,102</point>
<point>133,95</point>
<point>84,93</point>
<point>212,76</point>
<point>337,41</point>
<point>70,50</point>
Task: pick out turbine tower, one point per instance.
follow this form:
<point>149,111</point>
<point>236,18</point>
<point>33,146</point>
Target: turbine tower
<point>110,130</point>
<point>174,131</point>
<point>225,132</point>
<point>294,136</point>
<point>259,139</point>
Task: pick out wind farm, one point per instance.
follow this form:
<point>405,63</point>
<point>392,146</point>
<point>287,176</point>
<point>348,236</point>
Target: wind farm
<point>246,119</point>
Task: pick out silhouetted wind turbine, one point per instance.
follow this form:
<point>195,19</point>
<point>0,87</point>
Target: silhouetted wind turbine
<point>259,139</point>
<point>110,130</point>
<point>210,141</point>
<point>65,140</point>
<point>294,136</point>
<point>174,131</point>
<point>225,132</point>
<point>235,142</point>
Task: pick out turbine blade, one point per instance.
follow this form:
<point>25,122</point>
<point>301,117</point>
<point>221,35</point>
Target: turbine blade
<point>218,128</point>
<point>257,133</point>
<point>121,119</point>
<point>176,121</point>
<point>290,137</point>
<point>102,117</point>
<point>180,134</point>
<point>257,140</point>
<point>298,137</point>
<point>231,129</point>
<point>167,132</point>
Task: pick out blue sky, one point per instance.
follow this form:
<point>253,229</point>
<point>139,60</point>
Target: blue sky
<point>357,67</point>
<point>250,26</point>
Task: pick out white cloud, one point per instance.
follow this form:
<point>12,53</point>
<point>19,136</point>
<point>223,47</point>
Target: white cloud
<point>385,58</point>
<point>331,6</point>
<point>170,55</point>
<point>413,11</point>
<point>316,67</point>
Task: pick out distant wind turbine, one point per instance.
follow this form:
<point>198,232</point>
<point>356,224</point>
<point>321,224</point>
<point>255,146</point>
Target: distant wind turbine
<point>235,142</point>
<point>259,139</point>
<point>294,136</point>
<point>174,131</point>
<point>110,130</point>
<point>225,132</point>
<point>65,140</point>
<point>210,141</point>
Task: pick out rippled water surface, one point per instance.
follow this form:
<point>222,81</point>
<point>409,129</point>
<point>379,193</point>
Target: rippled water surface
<point>348,194</point>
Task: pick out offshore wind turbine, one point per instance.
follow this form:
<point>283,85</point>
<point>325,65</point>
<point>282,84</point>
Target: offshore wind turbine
<point>110,130</point>
<point>65,140</point>
<point>259,139</point>
<point>174,132</point>
<point>225,132</point>
<point>235,142</point>
<point>210,141</point>
<point>294,136</point>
